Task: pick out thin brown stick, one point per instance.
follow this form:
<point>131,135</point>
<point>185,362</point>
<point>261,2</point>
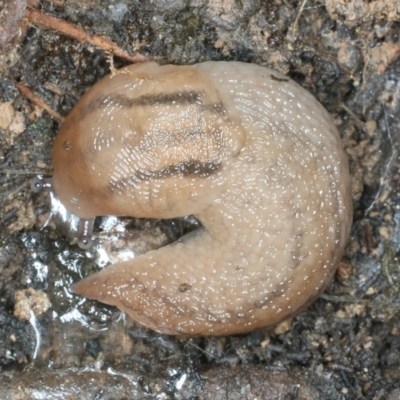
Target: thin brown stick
<point>23,172</point>
<point>27,92</point>
<point>294,27</point>
<point>38,18</point>
<point>359,123</point>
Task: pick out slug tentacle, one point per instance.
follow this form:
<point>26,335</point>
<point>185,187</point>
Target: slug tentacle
<point>85,233</point>
<point>248,152</point>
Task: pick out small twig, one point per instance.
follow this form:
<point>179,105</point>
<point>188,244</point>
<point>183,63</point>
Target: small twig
<point>343,299</point>
<point>21,172</point>
<point>299,13</point>
<point>359,123</point>
<point>38,18</point>
<point>27,92</point>
<point>294,27</point>
<point>54,88</point>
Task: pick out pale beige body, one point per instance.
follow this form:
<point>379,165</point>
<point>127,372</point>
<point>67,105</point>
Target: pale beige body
<point>247,151</point>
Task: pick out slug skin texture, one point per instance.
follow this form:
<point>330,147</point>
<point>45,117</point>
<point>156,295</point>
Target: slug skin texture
<point>244,149</point>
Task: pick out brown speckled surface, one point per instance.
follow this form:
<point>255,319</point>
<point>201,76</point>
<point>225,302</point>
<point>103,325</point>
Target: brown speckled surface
<point>252,156</point>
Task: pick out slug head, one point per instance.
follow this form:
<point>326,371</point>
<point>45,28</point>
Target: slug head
<point>151,141</point>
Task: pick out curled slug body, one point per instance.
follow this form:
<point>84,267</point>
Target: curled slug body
<point>244,149</point>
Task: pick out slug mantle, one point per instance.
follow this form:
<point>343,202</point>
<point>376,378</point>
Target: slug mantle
<point>244,149</point>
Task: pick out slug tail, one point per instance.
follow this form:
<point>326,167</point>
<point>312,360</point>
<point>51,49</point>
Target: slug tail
<point>116,285</point>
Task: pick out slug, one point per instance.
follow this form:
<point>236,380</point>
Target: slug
<point>247,151</point>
